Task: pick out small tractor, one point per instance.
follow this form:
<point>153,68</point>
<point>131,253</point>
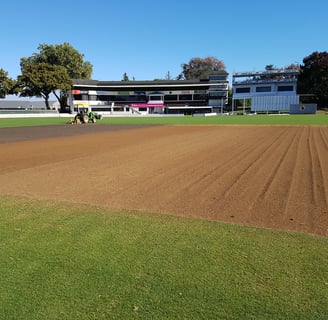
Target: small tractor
<point>84,115</point>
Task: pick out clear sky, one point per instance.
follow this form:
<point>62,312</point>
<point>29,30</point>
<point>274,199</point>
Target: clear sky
<point>148,38</point>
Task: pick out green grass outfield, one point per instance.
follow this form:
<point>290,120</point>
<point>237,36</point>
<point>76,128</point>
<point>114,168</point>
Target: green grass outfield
<point>62,261</point>
<point>318,119</point>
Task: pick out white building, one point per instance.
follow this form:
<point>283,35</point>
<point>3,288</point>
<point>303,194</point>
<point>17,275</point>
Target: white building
<point>186,97</point>
<point>265,91</point>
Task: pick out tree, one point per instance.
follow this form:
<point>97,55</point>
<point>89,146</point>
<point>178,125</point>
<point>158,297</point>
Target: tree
<point>125,77</point>
<point>200,68</point>
<point>65,56</point>
<point>41,79</point>
<point>269,67</point>
<point>6,84</point>
<point>313,77</point>
<point>168,76</point>
<point>293,66</point>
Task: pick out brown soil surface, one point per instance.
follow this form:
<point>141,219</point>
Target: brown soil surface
<point>266,176</point>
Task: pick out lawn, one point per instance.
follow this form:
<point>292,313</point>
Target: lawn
<point>226,120</point>
<point>63,261</point>
<point>318,119</point>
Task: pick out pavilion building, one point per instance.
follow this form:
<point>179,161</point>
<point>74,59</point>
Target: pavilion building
<point>186,97</point>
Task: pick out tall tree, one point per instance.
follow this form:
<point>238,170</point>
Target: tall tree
<point>41,79</point>
<point>125,77</point>
<point>62,55</point>
<point>269,67</point>
<point>168,76</point>
<point>200,68</point>
<point>313,77</point>
<point>293,66</point>
<point>6,84</point>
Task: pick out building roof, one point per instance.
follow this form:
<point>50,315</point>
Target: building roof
<point>274,72</point>
<point>148,84</point>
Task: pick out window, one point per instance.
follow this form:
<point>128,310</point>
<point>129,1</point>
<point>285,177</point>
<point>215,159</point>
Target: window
<point>105,98</point>
<point>217,77</point>
<point>185,97</point>
<point>131,98</point>
<point>285,88</point>
<point>243,90</point>
<point>155,98</point>
<point>263,89</point>
<point>201,97</point>
<point>170,97</point>
<point>219,87</point>
<point>217,95</point>
<point>81,97</point>
<point>77,96</point>
<point>93,98</point>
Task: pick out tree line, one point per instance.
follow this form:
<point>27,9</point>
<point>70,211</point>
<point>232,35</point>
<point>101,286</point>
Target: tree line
<point>52,69</point>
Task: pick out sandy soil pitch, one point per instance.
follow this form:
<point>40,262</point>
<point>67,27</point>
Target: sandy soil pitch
<point>266,176</point>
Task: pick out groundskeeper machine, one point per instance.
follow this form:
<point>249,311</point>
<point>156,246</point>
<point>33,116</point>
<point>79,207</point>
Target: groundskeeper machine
<point>85,115</point>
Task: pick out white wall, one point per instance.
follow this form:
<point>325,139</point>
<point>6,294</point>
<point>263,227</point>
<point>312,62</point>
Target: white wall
<point>273,103</point>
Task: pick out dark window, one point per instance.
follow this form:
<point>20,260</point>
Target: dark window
<point>80,97</point>
<point>132,98</point>
<point>185,97</point>
<point>140,98</point>
<point>94,108</point>
<point>243,90</point>
<point>217,95</point>
<point>106,98</point>
<point>170,97</point>
<point>77,97</point>
<point>201,97</point>
<point>285,88</point>
<point>155,98</point>
<point>217,87</point>
<point>217,77</point>
<point>122,98</point>
<point>263,89</point>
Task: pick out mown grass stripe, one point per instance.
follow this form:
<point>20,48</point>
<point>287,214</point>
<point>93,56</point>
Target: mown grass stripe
<point>63,261</point>
<point>318,119</point>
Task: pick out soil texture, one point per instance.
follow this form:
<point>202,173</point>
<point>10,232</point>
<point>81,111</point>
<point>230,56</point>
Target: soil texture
<point>265,176</point>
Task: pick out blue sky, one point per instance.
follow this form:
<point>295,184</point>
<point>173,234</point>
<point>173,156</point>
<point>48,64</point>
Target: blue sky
<point>148,38</point>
